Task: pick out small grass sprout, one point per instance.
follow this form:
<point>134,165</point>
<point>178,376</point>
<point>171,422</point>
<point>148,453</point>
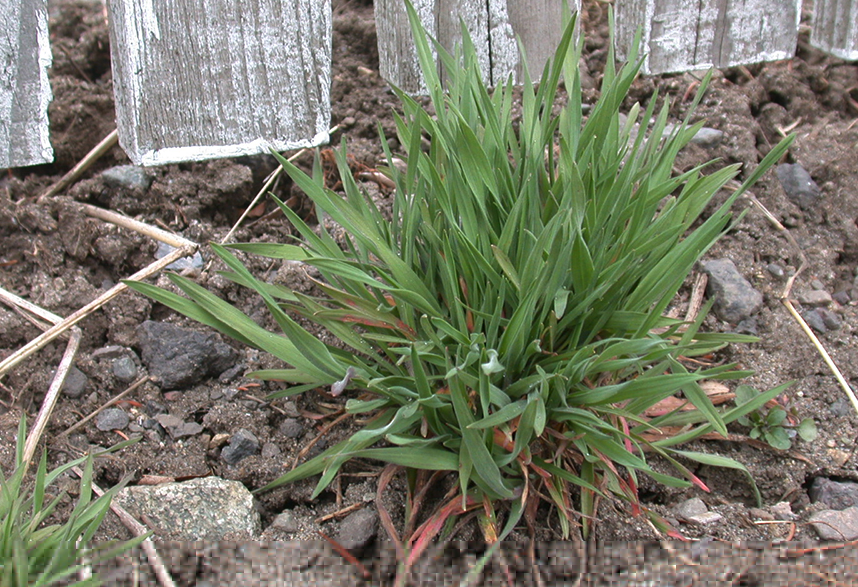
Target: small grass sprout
<point>506,322</point>
<point>34,552</point>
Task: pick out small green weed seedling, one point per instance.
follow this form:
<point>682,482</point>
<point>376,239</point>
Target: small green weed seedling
<point>506,323</point>
<point>33,552</point>
<point>773,425</point>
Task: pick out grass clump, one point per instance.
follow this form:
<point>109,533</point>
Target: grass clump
<point>507,323</point>
<point>34,552</point>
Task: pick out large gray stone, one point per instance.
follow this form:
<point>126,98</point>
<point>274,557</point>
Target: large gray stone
<point>208,508</point>
<point>178,357</point>
<point>836,524</point>
<point>735,297</point>
<point>838,495</point>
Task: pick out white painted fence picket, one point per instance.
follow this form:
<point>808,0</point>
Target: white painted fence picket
<point>684,36</point>
<point>493,26</point>
<point>199,79</point>
<point>25,56</point>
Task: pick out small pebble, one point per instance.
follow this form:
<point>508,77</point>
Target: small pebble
<point>270,450</point>
<point>112,419</point>
<point>285,522</point>
<point>816,284</point>
<point>75,383</point>
<point>690,507</point>
<point>194,262</point>
<point>242,444</point>
<point>124,369</point>
<point>783,511</point>
<point>832,320</point>
<point>705,518</point>
<point>776,270</point>
<point>291,428</point>
<point>708,138</point>
<point>842,297</point>
<point>815,298</point>
<point>815,321</point>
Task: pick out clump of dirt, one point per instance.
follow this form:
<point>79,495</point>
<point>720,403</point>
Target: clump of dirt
<point>59,258</point>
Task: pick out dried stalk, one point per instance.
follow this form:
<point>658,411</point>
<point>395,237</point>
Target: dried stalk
<point>100,149</point>
<point>137,529</point>
<point>124,221</point>
<point>53,332</point>
<point>268,183</point>
<point>784,297</point>
<point>106,405</point>
<point>51,398</point>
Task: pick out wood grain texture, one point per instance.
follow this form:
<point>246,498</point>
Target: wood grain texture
<point>678,35</point>
<point>835,27</point>
<point>25,56</point>
<point>493,26</point>
<point>200,79</point>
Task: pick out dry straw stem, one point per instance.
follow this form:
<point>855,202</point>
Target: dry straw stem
<point>784,297</point>
<point>268,183</point>
<point>51,398</point>
<point>106,405</point>
<point>59,378</point>
<point>137,529</point>
<point>69,178</point>
<point>158,234</point>
<point>56,330</point>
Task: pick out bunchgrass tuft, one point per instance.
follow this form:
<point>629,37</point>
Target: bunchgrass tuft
<point>507,323</point>
<point>32,550</point>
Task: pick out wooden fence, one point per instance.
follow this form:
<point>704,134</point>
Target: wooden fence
<point>199,79</point>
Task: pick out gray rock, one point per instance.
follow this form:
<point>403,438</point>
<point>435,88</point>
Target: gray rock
<point>112,419</point>
<point>75,383</point>
<point>814,297</point>
<point>208,508</point>
<point>836,524</point>
<point>270,450</point>
<point>124,369</point>
<point>838,495</point>
<point>798,185</point>
<point>783,511</point>
<point>193,262</point>
<point>705,519</point>
<point>841,407</point>
<point>735,298</point>
<point>291,428</point>
<point>358,528</point>
<point>185,429</point>
<point>815,321</point>
<point>178,357</point>
<point>242,444</point>
<point>109,352</point>
<point>232,373</point>
<point>690,507</point>
<point>285,522</point>
<point>842,297</point>
<point>832,320</point>
<point>168,421</point>
<point>708,138</point>
<point>776,270</point>
<point>129,177</point>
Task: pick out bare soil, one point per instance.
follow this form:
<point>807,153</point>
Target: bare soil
<point>59,259</point>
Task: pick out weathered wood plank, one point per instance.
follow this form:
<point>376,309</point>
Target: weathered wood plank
<point>492,24</point>
<point>684,36</point>
<point>25,56</point>
<point>200,79</point>
<point>835,27</point>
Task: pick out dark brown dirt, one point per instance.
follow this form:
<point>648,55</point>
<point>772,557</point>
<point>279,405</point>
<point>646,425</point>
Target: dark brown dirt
<point>54,256</point>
